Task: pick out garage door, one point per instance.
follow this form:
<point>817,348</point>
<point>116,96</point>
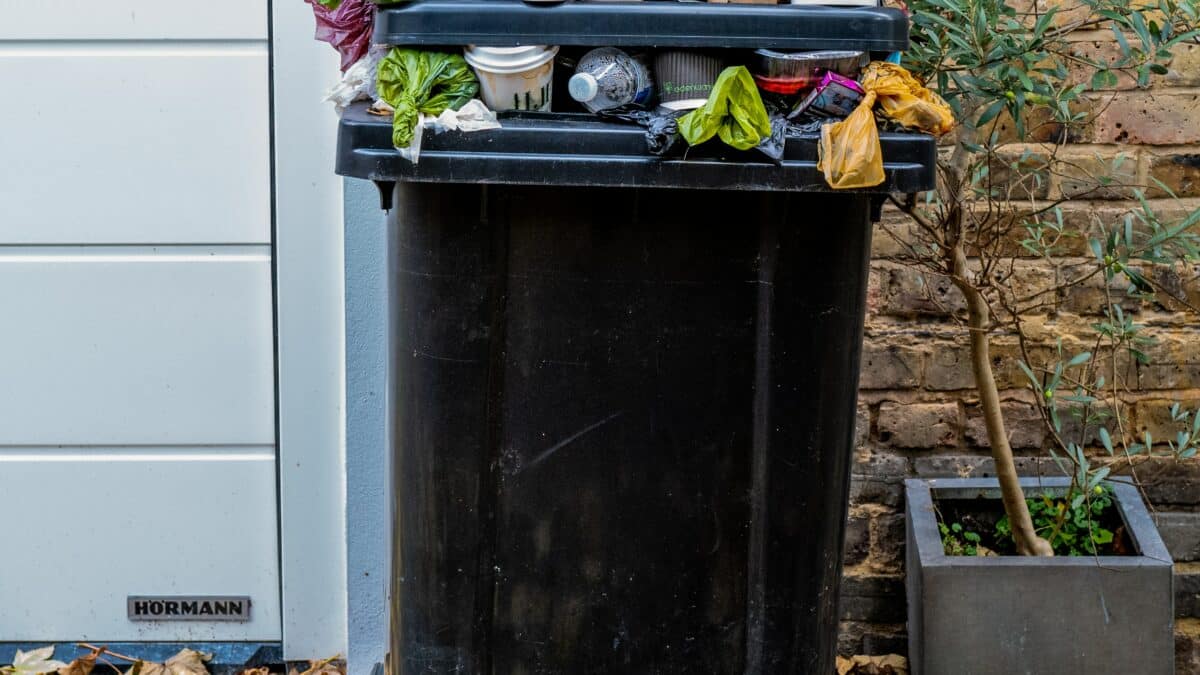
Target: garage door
<point>137,441</point>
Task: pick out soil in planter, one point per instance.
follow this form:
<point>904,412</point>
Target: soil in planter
<point>978,526</point>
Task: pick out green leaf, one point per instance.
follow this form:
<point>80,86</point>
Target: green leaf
<point>991,112</point>
<point>1121,41</point>
<point>1033,379</point>
<point>1106,440</point>
<point>1079,359</point>
<point>1077,500</point>
<point>1098,477</point>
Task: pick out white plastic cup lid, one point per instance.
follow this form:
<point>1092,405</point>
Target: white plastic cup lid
<point>583,87</point>
<point>508,59</point>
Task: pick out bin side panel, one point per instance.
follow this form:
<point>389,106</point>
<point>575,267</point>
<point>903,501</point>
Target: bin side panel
<point>623,497</point>
<point>444,265</point>
<point>815,340</point>
<point>624,424</point>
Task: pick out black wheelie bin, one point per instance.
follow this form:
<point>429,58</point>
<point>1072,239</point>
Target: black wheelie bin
<point>623,386</point>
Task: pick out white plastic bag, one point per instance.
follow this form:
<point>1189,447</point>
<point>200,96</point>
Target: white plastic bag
<point>473,116</point>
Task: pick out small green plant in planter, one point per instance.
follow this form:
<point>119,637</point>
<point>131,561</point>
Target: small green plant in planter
<point>1023,90</point>
<point>1072,526</point>
<point>959,540</point>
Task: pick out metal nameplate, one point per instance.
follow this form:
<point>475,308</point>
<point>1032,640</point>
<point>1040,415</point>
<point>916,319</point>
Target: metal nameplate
<point>188,607</point>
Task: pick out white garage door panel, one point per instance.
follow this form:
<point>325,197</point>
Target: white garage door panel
<point>148,523</point>
<point>132,143</point>
<point>133,19</point>
<point>131,347</point>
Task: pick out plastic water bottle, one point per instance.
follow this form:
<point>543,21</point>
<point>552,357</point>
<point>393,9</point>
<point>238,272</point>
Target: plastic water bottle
<point>608,78</point>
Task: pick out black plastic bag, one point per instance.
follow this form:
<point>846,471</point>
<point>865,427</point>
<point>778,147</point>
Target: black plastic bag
<point>662,128</point>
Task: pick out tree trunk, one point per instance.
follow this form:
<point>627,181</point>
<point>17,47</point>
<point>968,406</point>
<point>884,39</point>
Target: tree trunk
<point>979,323</point>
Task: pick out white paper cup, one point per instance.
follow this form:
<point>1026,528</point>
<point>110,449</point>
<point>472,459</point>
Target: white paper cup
<point>514,78</point>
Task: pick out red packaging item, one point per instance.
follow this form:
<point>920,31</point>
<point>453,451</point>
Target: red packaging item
<point>347,28</point>
<point>834,97</point>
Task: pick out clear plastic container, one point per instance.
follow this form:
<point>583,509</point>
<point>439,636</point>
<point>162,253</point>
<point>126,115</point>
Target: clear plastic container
<point>608,78</point>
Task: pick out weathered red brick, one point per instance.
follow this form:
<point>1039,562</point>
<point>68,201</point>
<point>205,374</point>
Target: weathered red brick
<point>1026,430</point>
<point>1160,117</point>
<point>890,366</point>
<point>1178,169</point>
<point>919,425</point>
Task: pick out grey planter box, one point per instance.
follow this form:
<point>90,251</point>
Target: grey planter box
<point>1038,616</point>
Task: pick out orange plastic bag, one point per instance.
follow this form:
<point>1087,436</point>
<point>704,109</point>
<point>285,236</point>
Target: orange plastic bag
<point>850,155</point>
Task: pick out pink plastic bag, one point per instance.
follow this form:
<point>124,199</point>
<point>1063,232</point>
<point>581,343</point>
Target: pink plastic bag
<point>347,28</point>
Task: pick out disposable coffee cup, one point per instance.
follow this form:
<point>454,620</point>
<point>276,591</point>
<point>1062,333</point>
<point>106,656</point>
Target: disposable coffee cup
<point>514,78</point>
<point>686,78</point>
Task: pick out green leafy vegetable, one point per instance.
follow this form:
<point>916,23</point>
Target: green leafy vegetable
<point>415,82</point>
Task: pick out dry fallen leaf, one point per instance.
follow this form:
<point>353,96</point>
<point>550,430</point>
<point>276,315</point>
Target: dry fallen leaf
<point>80,666</point>
<point>35,662</point>
<point>330,666</point>
<point>186,662</point>
<point>985,552</point>
<point>873,665</point>
<point>263,670</point>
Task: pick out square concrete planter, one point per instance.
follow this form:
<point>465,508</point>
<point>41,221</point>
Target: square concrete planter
<point>1019,615</point>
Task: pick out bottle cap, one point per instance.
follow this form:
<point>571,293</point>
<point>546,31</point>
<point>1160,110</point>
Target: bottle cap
<point>583,87</point>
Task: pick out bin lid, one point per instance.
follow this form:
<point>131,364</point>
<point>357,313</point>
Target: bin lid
<point>581,149</point>
<point>641,24</point>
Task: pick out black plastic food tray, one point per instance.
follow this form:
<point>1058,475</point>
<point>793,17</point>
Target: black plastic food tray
<point>580,149</point>
<point>641,24</point>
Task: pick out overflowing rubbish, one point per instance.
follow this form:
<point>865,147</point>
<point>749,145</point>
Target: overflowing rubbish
<point>610,78</point>
<point>345,24</point>
<point>752,99</point>
<point>850,154</point>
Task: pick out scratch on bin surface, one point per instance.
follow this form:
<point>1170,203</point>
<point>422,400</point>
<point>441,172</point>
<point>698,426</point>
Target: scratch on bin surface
<point>572,438</point>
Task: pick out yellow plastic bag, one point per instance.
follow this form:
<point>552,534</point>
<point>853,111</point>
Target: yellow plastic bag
<point>904,99</point>
<point>734,112</point>
<point>849,152</point>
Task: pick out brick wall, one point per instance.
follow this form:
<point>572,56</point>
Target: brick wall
<point>918,414</point>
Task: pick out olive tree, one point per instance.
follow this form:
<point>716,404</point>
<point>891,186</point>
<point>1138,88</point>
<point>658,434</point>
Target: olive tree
<point>1018,87</point>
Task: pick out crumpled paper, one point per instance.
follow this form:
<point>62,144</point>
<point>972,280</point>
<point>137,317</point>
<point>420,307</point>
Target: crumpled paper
<point>358,82</point>
<point>473,116</point>
<point>347,27</point>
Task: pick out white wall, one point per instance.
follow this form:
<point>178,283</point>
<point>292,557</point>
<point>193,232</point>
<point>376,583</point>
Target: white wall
<point>308,216</point>
<point>137,440</point>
